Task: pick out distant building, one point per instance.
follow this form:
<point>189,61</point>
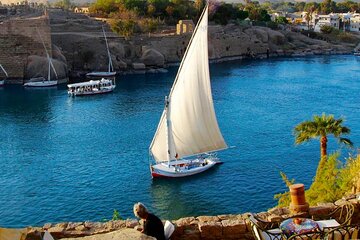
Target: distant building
<point>294,18</point>
<point>355,23</point>
<point>331,19</point>
<point>185,26</point>
<point>84,10</point>
<point>345,21</point>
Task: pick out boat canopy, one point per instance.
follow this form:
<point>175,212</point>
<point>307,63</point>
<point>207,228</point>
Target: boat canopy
<point>89,83</point>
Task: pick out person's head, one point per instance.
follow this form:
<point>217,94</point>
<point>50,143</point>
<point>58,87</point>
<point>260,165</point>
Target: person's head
<point>140,210</point>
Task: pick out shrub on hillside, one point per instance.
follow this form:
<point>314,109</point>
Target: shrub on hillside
<point>334,181</point>
<point>347,37</point>
<point>326,29</point>
<point>124,27</point>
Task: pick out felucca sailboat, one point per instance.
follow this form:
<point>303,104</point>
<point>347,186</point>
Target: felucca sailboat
<point>110,72</point>
<point>188,130</point>
<point>42,81</point>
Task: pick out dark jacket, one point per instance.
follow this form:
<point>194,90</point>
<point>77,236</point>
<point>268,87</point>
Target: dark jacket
<point>154,227</point>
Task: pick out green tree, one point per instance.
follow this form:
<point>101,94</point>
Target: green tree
<point>327,29</point>
<point>319,128</point>
<point>328,6</point>
<point>225,12</point>
<point>104,7</point>
<point>312,6</point>
<point>300,6</point>
<point>64,4</point>
<point>124,27</point>
<point>349,176</point>
<point>281,20</point>
<point>284,198</point>
<point>199,5</point>
<point>136,5</point>
<point>308,18</point>
<point>151,9</point>
<point>325,188</point>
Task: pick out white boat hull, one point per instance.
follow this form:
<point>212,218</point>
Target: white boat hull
<point>183,168</point>
<point>2,83</point>
<point>102,91</point>
<point>45,83</point>
<point>101,74</point>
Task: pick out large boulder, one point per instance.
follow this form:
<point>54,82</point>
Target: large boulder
<point>259,33</point>
<point>152,57</point>
<point>276,37</point>
<point>57,54</point>
<point>38,67</point>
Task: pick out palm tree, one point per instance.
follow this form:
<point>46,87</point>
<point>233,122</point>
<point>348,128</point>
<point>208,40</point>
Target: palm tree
<point>308,18</point>
<point>321,127</point>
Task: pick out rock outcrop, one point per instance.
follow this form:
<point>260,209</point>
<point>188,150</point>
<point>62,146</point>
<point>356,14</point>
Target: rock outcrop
<point>82,43</point>
<point>38,67</point>
<point>152,57</point>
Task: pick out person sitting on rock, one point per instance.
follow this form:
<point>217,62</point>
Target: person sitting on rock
<point>153,226</point>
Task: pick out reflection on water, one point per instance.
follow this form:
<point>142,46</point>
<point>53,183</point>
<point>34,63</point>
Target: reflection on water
<point>77,159</point>
<point>176,198</point>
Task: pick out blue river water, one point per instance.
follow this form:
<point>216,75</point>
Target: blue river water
<point>78,159</point>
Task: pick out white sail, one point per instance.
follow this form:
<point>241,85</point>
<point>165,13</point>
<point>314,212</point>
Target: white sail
<point>193,121</point>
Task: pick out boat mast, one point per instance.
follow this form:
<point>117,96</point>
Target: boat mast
<point>48,57</point>
<point>168,127</point>
<point>2,68</point>
<point>110,67</point>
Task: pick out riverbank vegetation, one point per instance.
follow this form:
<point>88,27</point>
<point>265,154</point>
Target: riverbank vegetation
<point>129,17</point>
<point>334,178</point>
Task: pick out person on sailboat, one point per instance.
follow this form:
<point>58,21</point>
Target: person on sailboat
<point>153,226</point>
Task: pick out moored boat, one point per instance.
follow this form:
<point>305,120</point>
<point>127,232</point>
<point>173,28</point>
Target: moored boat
<point>188,130</point>
<point>91,87</point>
<point>110,72</point>
<point>41,81</point>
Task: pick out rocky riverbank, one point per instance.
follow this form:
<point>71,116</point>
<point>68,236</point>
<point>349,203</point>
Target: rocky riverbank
<point>231,226</point>
<point>81,42</point>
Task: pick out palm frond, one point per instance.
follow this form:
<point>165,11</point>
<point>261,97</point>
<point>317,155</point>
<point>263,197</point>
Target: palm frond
<point>346,141</point>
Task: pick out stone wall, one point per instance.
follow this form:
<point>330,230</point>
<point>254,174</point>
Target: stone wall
<point>19,38</point>
<point>193,228</point>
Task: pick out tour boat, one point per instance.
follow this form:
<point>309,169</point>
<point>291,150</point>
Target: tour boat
<point>110,72</point>
<point>91,87</point>
<point>2,82</point>
<point>42,81</point>
<point>188,133</point>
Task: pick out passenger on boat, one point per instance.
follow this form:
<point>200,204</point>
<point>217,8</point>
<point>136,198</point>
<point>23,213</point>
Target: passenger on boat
<point>152,226</point>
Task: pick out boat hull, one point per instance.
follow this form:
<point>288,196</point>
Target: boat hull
<point>78,94</point>
<point>182,168</point>
<point>101,74</point>
<point>2,82</point>
<point>41,84</point>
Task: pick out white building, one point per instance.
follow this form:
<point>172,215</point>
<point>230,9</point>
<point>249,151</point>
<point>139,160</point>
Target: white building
<point>355,23</point>
<point>331,19</point>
